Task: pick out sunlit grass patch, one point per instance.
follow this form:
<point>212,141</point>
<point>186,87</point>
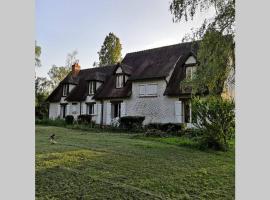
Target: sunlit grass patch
<point>65,159</point>
<point>89,165</point>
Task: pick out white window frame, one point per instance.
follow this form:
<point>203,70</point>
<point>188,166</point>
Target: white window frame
<point>147,89</point>
<point>74,108</point>
<point>118,107</point>
<point>142,94</point>
<point>119,81</point>
<point>91,87</point>
<point>152,94</point>
<point>192,71</point>
<point>89,106</point>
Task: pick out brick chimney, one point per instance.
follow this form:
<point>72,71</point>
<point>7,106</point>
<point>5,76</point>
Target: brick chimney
<point>76,68</point>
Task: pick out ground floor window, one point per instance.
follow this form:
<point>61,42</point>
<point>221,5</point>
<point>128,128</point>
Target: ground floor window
<point>63,108</point>
<point>91,108</point>
<point>116,109</point>
<point>74,108</point>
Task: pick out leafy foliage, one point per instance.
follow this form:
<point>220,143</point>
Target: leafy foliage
<point>224,20</point>
<point>42,89</point>
<point>69,119</point>
<point>37,55</point>
<point>216,52</point>
<point>110,52</point>
<point>41,106</point>
<point>215,56</point>
<point>42,85</point>
<point>84,119</point>
<point>132,122</point>
<point>51,122</point>
<point>57,74</point>
<point>215,118</point>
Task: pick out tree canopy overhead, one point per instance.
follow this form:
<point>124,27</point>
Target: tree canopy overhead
<point>110,52</point>
<point>216,35</point>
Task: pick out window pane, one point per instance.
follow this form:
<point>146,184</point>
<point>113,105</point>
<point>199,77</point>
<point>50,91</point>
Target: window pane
<point>188,72</point>
<point>142,90</point>
<point>119,81</point>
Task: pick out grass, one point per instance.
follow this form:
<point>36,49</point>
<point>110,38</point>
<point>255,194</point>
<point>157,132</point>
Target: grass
<point>88,165</point>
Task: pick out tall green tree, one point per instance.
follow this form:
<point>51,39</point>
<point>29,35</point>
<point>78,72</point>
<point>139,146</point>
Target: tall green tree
<point>216,51</point>
<point>37,55</point>
<point>57,74</point>
<point>42,90</point>
<point>110,52</point>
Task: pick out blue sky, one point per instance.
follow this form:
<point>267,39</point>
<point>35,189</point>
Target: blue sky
<point>66,25</point>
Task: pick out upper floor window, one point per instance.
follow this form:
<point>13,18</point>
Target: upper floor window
<point>65,89</point>
<point>92,87</point>
<point>190,70</point>
<point>119,81</point>
<point>148,89</point>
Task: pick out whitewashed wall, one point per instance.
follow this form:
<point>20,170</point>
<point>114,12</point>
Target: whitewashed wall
<point>159,109</point>
<point>53,110</point>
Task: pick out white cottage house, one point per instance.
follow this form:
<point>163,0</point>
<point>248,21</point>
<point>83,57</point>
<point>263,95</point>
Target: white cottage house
<point>146,83</point>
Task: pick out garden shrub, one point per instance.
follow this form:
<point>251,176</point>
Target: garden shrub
<point>51,122</point>
<point>84,119</point>
<point>170,128</point>
<point>69,119</point>
<point>215,119</point>
<point>133,123</point>
<point>153,132</point>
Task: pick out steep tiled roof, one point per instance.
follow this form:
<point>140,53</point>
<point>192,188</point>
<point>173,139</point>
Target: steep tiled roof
<point>148,64</point>
<point>157,62</point>
<point>79,93</point>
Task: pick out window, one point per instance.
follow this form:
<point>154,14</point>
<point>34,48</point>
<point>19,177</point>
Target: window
<point>65,89</point>
<point>116,109</point>
<point>74,108</point>
<point>119,81</point>
<point>91,108</point>
<point>148,89</point>
<point>92,87</point>
<point>142,90</point>
<point>190,70</point>
<point>151,89</point>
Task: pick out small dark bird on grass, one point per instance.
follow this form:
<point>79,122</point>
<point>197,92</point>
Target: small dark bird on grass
<point>52,139</point>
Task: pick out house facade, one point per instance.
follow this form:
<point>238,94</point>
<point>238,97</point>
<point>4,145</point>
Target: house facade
<point>146,83</point>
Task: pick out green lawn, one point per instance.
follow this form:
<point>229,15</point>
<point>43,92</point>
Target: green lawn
<point>87,165</point>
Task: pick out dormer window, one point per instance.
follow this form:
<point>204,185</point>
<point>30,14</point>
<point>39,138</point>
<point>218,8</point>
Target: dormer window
<point>190,70</point>
<point>190,67</point>
<point>119,80</point>
<point>65,90</point>
<point>92,87</point>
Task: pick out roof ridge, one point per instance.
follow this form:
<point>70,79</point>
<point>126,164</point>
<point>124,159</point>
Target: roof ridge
<point>146,50</point>
<point>91,68</point>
